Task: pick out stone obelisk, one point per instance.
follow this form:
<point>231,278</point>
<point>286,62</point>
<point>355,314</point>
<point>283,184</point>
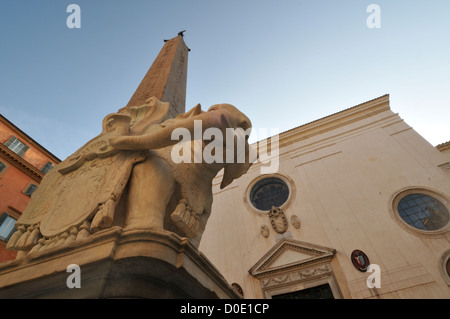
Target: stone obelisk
<point>166,79</point>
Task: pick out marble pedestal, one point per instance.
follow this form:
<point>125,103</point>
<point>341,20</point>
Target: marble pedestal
<point>117,263</point>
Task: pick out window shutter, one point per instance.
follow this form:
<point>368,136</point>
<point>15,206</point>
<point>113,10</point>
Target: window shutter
<point>30,190</point>
<point>47,167</point>
<point>10,141</point>
<point>3,217</point>
<point>2,166</point>
<point>22,150</point>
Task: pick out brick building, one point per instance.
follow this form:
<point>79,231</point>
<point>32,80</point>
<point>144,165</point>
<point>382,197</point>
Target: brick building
<point>23,164</point>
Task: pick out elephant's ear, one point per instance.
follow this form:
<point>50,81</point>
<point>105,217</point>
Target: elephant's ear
<point>232,172</point>
<point>192,112</point>
<point>235,170</point>
<point>152,112</point>
<point>183,116</point>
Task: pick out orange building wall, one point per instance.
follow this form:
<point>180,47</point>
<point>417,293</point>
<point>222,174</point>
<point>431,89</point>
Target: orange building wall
<point>14,181</point>
<point>6,254</point>
<point>12,185</point>
<point>34,157</point>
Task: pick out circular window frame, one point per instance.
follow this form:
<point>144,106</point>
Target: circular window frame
<point>286,204</point>
<point>443,267</point>
<point>397,197</point>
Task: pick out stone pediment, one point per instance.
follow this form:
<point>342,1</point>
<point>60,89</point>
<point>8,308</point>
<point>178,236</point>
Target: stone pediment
<point>289,254</point>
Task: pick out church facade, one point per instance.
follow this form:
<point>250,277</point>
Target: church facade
<point>359,208</point>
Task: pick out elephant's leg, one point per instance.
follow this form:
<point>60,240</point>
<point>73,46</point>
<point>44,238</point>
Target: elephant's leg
<point>151,187</point>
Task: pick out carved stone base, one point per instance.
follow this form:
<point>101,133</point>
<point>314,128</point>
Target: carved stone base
<point>117,263</point>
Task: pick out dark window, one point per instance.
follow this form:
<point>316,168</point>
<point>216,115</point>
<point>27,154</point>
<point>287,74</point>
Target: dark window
<point>269,192</point>
<point>47,167</point>
<point>423,212</point>
<point>30,190</point>
<point>319,292</point>
<point>238,288</point>
<point>6,226</point>
<point>2,167</point>
<point>16,146</point>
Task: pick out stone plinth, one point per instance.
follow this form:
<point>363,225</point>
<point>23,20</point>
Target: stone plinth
<point>117,263</point>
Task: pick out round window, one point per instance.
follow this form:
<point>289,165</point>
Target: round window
<point>447,267</point>
<point>423,212</point>
<point>269,192</point>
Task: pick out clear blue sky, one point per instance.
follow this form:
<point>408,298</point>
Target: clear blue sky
<point>284,63</point>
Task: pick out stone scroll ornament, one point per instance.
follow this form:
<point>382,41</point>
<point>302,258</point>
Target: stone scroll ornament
<point>129,162</point>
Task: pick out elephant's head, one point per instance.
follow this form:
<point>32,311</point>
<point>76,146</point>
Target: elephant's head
<point>234,125</point>
<point>236,129</point>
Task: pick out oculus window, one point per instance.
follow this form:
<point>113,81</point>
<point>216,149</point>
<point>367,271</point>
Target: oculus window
<point>423,212</point>
<point>444,266</point>
<point>447,267</point>
<point>269,192</point>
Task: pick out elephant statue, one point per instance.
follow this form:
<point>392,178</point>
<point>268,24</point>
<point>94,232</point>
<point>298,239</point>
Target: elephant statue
<point>129,176</point>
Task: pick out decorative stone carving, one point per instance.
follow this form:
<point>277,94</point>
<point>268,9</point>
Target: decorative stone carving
<point>294,255</point>
<point>126,177</point>
<point>265,231</point>
<point>285,235</point>
<point>295,221</point>
<point>295,276</point>
<point>290,263</point>
<point>445,167</point>
<point>278,220</point>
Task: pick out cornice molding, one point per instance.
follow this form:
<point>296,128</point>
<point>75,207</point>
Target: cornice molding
<point>443,147</point>
<point>26,138</point>
<point>21,164</point>
<point>334,121</point>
